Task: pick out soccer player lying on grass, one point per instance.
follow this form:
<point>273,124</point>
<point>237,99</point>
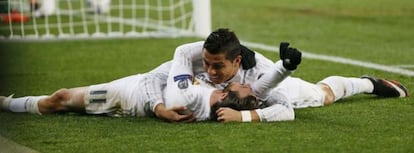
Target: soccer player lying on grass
<point>221,59</point>
<point>182,91</point>
<point>131,96</point>
<point>127,97</point>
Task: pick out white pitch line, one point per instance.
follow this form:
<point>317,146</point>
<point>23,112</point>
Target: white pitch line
<point>336,59</point>
<point>404,66</point>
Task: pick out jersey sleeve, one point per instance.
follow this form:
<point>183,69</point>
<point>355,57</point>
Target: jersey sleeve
<point>269,76</point>
<point>269,80</point>
<point>183,55</point>
<point>153,83</point>
<point>180,90</point>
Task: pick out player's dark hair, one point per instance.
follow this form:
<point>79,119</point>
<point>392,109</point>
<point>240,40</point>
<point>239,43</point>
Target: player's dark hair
<point>223,41</point>
<point>233,101</point>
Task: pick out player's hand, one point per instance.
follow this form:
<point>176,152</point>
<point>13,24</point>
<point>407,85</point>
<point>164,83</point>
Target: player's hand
<point>225,114</point>
<point>291,57</point>
<point>174,114</point>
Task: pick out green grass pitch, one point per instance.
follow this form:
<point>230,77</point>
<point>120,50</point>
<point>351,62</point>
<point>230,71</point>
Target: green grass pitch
<point>373,31</point>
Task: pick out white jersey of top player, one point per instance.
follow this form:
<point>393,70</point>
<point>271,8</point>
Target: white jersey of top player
<point>189,63</point>
<point>181,91</point>
<point>299,93</point>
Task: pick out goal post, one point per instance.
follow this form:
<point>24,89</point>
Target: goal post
<point>202,17</point>
<point>91,19</point>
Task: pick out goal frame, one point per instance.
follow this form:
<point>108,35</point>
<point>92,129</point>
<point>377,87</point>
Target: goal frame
<point>199,26</point>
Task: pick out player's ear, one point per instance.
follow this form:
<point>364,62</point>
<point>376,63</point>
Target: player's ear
<point>237,60</point>
<point>223,95</point>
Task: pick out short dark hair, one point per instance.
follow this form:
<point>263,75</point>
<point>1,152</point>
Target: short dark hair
<point>223,41</point>
<point>233,101</point>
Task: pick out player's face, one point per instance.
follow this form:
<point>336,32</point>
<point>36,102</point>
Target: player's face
<point>219,68</point>
<point>243,90</point>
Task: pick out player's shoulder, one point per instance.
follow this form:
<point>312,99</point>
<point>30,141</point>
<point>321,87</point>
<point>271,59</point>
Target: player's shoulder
<point>193,46</point>
<point>197,43</point>
<point>262,60</point>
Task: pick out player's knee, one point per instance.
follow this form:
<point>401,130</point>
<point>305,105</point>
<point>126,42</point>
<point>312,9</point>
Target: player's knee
<point>62,94</point>
<point>329,95</point>
<point>57,99</point>
<point>335,87</point>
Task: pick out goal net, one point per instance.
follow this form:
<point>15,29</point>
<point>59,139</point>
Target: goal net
<point>75,19</point>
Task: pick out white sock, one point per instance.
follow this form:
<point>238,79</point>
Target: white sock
<point>343,87</point>
<point>5,102</point>
<point>25,104</point>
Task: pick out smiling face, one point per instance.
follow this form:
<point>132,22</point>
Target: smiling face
<point>219,68</point>
<point>221,55</point>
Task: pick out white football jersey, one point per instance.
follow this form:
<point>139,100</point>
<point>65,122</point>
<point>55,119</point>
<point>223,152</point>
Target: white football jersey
<point>188,65</point>
<point>193,95</point>
<point>190,56</point>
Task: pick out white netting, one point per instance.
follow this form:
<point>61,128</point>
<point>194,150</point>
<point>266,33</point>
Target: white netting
<point>74,19</point>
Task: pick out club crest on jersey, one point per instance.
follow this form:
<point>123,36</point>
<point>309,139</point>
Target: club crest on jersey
<point>182,80</point>
<point>182,84</point>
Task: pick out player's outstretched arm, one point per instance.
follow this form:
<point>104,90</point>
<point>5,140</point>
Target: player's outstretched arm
<point>290,58</point>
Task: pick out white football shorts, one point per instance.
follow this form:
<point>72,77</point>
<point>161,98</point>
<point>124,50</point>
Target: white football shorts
<point>118,98</point>
<point>300,93</point>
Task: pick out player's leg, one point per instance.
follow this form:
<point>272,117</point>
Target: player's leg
<point>20,105</point>
<point>64,100</point>
<point>118,98</point>
<point>386,87</point>
<point>337,87</point>
<point>60,101</point>
<point>300,93</point>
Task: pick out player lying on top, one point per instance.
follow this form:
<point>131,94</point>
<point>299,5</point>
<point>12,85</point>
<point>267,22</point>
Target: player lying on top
<point>181,90</point>
<point>221,59</point>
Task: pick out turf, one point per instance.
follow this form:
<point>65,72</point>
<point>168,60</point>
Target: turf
<point>379,32</point>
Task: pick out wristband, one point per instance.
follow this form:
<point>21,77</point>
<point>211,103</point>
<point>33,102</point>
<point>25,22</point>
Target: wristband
<point>246,116</point>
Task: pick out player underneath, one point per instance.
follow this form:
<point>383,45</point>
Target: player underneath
<point>130,97</point>
<point>124,97</point>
